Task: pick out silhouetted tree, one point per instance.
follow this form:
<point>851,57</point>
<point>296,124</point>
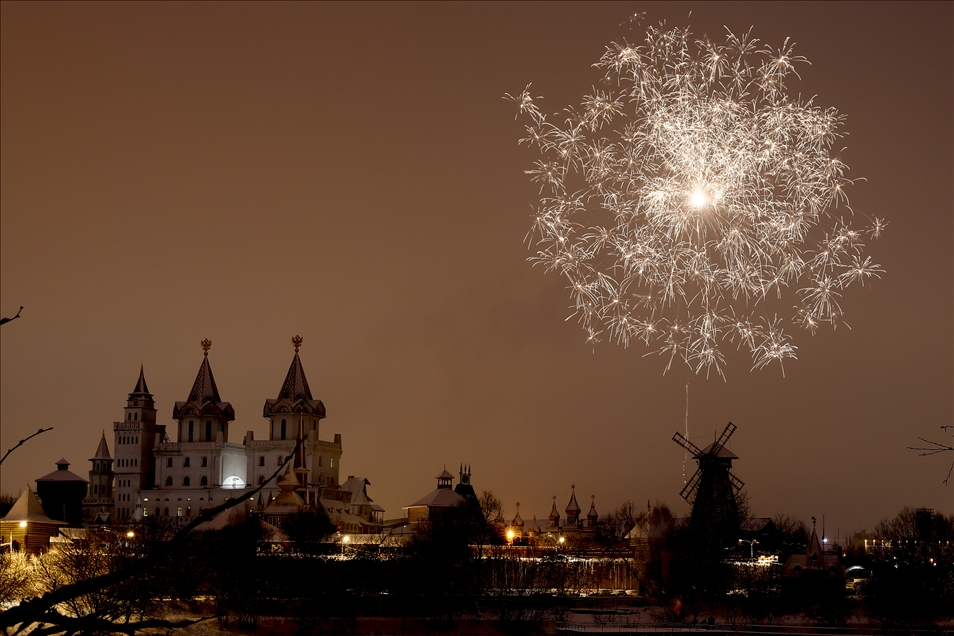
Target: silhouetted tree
<point>307,529</point>
<point>912,569</point>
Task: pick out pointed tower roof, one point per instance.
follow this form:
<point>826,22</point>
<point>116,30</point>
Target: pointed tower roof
<point>295,394</point>
<point>591,516</point>
<point>554,513</point>
<point>141,388</point>
<point>573,509</point>
<point>288,500</point>
<point>295,386</point>
<point>517,519</point>
<point>204,397</point>
<point>140,396</point>
<point>102,451</point>
<point>29,508</point>
<point>204,389</point>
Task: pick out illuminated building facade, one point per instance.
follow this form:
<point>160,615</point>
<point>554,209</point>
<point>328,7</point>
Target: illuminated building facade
<point>154,475</point>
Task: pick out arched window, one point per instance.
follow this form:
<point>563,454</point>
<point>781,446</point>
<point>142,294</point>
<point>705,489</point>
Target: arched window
<point>208,430</point>
<point>136,417</point>
<point>261,460</point>
<point>185,463</point>
<point>204,482</point>
<point>191,430</point>
<point>331,462</point>
<point>157,512</point>
<point>169,463</point>
<point>186,482</point>
<point>128,416</point>
<point>205,462</point>
<point>279,461</point>
<point>165,512</point>
<point>169,480</point>
<point>261,479</point>
<point>283,429</point>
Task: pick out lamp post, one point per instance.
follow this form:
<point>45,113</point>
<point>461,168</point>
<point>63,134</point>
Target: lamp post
<point>751,547</point>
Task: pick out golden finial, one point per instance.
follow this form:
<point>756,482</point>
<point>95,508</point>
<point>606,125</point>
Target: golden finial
<point>297,340</point>
<point>206,345</point>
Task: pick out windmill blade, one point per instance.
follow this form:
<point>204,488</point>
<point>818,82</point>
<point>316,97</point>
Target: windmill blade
<point>737,483</point>
<point>683,441</point>
<point>726,434</point>
<point>689,490</point>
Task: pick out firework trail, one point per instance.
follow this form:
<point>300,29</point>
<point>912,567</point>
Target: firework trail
<point>688,193</point>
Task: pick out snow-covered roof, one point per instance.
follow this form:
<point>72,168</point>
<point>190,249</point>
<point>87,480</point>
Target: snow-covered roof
<point>439,498</point>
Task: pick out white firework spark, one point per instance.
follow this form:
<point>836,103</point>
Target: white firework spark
<point>712,189</point>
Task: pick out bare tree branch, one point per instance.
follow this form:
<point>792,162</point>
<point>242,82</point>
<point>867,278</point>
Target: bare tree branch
<point>4,321</point>
<point>933,449</point>
<point>42,430</point>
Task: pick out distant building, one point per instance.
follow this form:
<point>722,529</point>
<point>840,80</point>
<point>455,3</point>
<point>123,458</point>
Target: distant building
<point>573,526</point>
<point>62,494</point>
<point>437,502</point>
<point>815,568</point>
<point>26,527</point>
<point>153,475</point>
<point>98,504</point>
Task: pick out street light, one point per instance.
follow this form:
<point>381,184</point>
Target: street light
<point>751,547</point>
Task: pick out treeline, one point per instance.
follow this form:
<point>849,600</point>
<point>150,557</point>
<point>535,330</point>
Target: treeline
<point>460,567</point>
<point>905,576</point>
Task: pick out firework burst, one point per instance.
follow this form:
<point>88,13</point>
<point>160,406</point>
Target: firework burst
<point>688,193</point>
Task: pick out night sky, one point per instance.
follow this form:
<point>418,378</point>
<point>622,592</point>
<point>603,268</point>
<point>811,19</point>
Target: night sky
<point>350,173</point>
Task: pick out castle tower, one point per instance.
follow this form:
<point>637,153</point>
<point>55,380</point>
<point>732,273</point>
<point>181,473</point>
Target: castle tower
<point>572,510</point>
<point>516,525</point>
<point>293,398</point>
<point>202,458</point>
<point>554,518</point>
<point>134,439</point>
<point>591,516</point>
<point>98,504</point>
<point>203,416</point>
<point>294,412</point>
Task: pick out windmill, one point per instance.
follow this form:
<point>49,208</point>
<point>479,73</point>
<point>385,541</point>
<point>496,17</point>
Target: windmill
<point>713,487</point>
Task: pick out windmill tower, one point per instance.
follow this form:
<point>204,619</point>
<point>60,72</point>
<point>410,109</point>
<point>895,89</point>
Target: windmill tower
<point>713,487</point>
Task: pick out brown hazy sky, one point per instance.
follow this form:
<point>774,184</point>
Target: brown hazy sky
<point>350,173</point>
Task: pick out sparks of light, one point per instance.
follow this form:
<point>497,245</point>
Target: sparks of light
<point>681,127</point>
<point>698,198</point>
